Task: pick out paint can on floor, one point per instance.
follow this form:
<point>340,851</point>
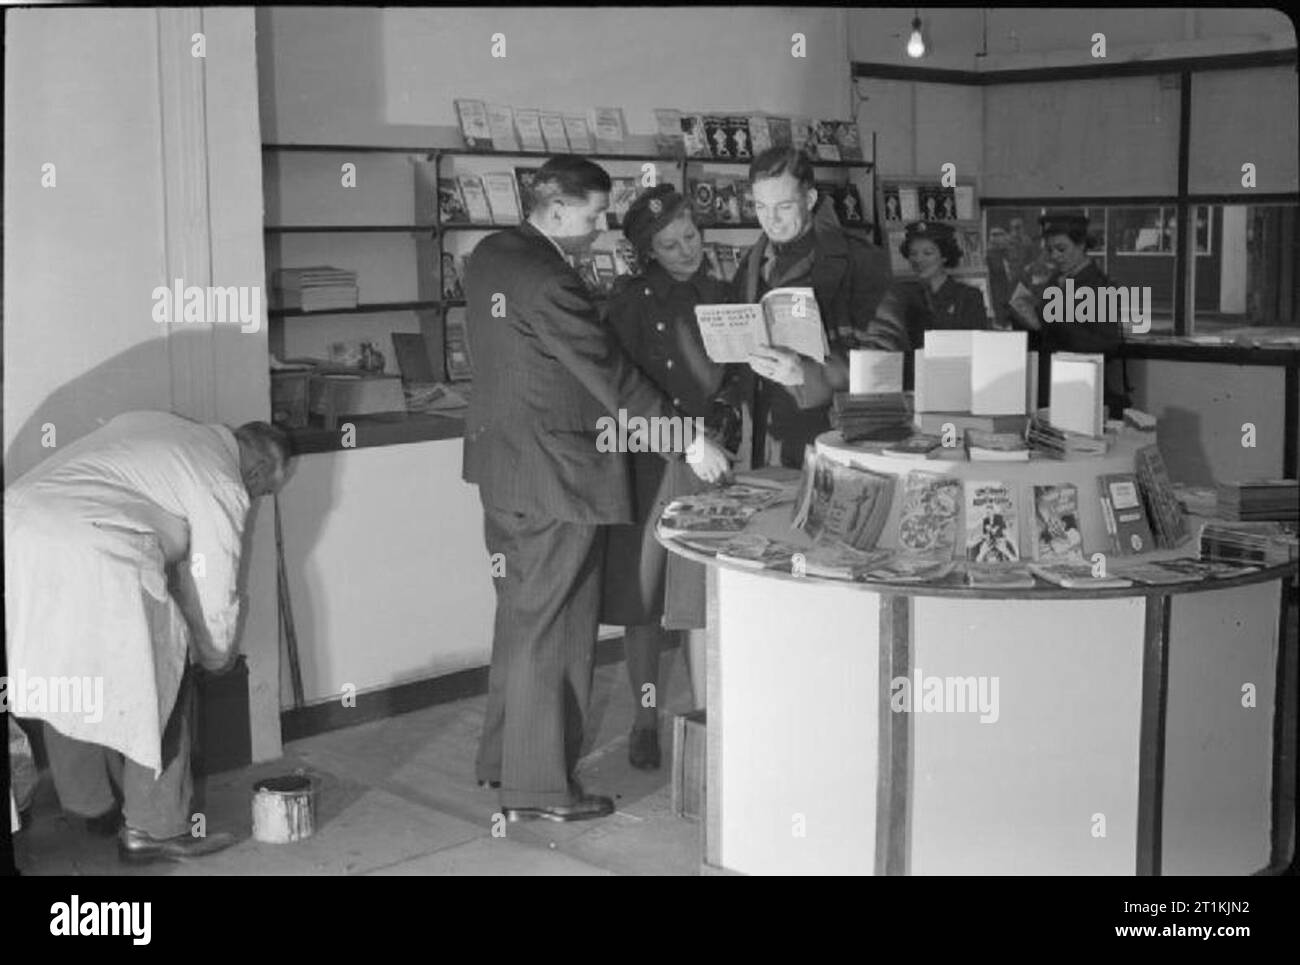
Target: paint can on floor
<point>284,809</point>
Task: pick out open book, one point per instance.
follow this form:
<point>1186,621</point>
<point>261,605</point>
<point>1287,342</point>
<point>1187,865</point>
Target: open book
<point>785,317</point>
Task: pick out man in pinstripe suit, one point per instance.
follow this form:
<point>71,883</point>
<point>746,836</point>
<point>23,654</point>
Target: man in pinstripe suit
<point>547,370</point>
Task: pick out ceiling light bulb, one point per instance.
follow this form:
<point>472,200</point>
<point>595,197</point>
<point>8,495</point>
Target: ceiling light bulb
<point>916,43</point>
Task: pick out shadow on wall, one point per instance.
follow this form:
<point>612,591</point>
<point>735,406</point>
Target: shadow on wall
<point>136,379</point>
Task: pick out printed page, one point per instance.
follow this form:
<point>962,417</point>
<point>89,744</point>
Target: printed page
<point>731,332</point>
<point>794,321</point>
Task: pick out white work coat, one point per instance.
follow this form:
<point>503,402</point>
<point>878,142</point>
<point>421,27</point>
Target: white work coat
<point>88,536</point>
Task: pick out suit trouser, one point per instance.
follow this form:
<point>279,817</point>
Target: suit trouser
<point>543,652</point>
<point>85,775</point>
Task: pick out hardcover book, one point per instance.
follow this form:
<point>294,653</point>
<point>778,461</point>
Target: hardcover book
<point>501,121</point>
<point>578,133</point>
<point>502,197</point>
<point>669,139</point>
<point>928,522</point>
<point>474,126</point>
<point>695,135</point>
<point>557,141</point>
<point>476,201</point>
<point>610,129</point>
<point>1126,519</point>
<point>760,135</point>
<point>528,122</point>
<point>738,141</point>
<point>1057,535</point>
<point>780,131</point>
<point>992,533</point>
<point>715,133</point>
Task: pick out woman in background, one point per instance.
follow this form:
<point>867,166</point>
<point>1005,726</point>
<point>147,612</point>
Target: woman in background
<point>931,300</point>
<point>651,593</point>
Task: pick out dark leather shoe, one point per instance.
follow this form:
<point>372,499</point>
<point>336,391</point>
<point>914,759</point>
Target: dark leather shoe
<point>494,785</point>
<point>581,809</point>
<point>136,847</point>
<point>105,825</point>
<point>643,748</point>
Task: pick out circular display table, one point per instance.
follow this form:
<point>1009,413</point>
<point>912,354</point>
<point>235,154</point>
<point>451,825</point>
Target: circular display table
<point>870,728</point>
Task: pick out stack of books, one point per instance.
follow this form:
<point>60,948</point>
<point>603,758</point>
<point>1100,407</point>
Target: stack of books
<point>1260,499</point>
<point>1057,443</point>
<point>875,415</point>
<point>1249,544</point>
<point>718,512</point>
<point>316,289</point>
<point>996,446</point>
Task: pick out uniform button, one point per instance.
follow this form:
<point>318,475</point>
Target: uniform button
<point>648,292</point>
<point>677,403</point>
<point>659,326</point>
<point>669,363</point>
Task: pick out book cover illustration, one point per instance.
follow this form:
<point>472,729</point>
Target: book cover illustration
<point>715,133</point>
<point>1166,515</point>
<point>835,560</point>
<point>738,140</point>
<point>848,205</point>
<point>999,576</point>
<point>476,199</point>
<point>893,209</point>
<point>669,140</point>
<point>474,125</point>
<point>501,121</point>
<point>553,133</point>
<point>460,365</point>
<point>991,525</point>
<point>779,129</point>
<point>451,285</point>
<point>503,197</point>
<point>928,522</point>
<point>578,133</point>
<point>1056,523</point>
<point>610,129</point>
<point>621,195</point>
<point>702,195</point>
<point>760,134</point>
<point>850,144</point>
<point>825,147</point>
<point>748,213</point>
<point>787,317</point>
<point>902,569</point>
<point>1076,575</point>
<point>695,135</point>
<point>451,206</point>
<point>757,552</point>
<point>726,201</point>
<point>528,122</point>
<point>1125,517</point>
<point>846,504</point>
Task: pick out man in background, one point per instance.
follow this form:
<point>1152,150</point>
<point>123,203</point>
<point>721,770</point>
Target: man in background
<point>548,369</point>
<point>803,245</point>
<point>94,535</point>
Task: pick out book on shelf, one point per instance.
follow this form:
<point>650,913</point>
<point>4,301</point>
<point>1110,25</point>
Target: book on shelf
<point>621,195</point>
<point>451,203</point>
<point>524,178</point>
<point>930,515</point>
<point>758,552</point>
<point>726,201</point>
<point>873,416</point>
<point>715,135</point>
<point>934,423</point>
<point>906,569</point>
<point>780,131</point>
<point>702,200</point>
<point>831,559</point>
<point>501,122</point>
<point>427,198</point>
<point>825,147</point>
<point>1076,575</point>
<point>848,204</point>
<point>553,132</point>
<point>1259,499</point>
<point>992,522</point>
<point>964,196</point>
<point>1057,535</point>
<point>1166,516</point>
<point>760,134</point>
<point>875,370</point>
<point>528,122</point>
<point>474,125</point>
<point>748,211</point>
<point>314,276</point>
<point>450,277</point>
<point>909,203</point>
<point>728,261</point>
<point>1124,515</point>
<point>1046,438</point>
<point>849,141</point>
<point>916,446</point>
<point>1248,543</point>
<point>996,446</point>
<point>738,142</point>
<point>845,503</point>
<point>578,132</point>
<point>475,197</point>
<point>1078,387</point>
<point>803,135</point>
<point>502,197</point>
<point>971,243</point>
<point>695,136</point>
<point>785,317</point>
<point>460,365</point>
<point>609,128</point>
<point>669,140</point>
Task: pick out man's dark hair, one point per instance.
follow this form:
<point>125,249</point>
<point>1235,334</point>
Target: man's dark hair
<point>266,440</point>
<point>569,177</point>
<point>776,161</point>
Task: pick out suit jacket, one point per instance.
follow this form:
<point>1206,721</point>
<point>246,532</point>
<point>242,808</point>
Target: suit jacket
<point>547,369</point>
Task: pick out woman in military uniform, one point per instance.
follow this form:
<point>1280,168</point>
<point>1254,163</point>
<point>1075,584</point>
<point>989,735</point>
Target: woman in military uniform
<point>931,300</point>
<point>652,593</point>
<point>1065,240</point>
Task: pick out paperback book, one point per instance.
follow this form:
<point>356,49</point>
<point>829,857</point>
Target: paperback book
<point>669,140</point>
<point>929,520</point>
<point>552,124</point>
<point>475,197</point>
<point>844,503</point>
<point>501,122</point>
<point>1057,536</point>
<point>999,576</point>
<point>474,125</point>
<point>785,317</point>
<point>1122,511</point>
<point>528,122</point>
<point>992,534</point>
<point>1076,575</point>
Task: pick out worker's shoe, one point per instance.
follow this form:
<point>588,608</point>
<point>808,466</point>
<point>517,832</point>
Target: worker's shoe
<point>136,847</point>
<point>581,809</point>
<point>643,748</point>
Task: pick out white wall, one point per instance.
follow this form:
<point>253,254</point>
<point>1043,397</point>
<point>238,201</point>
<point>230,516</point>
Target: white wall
<point>157,166</point>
